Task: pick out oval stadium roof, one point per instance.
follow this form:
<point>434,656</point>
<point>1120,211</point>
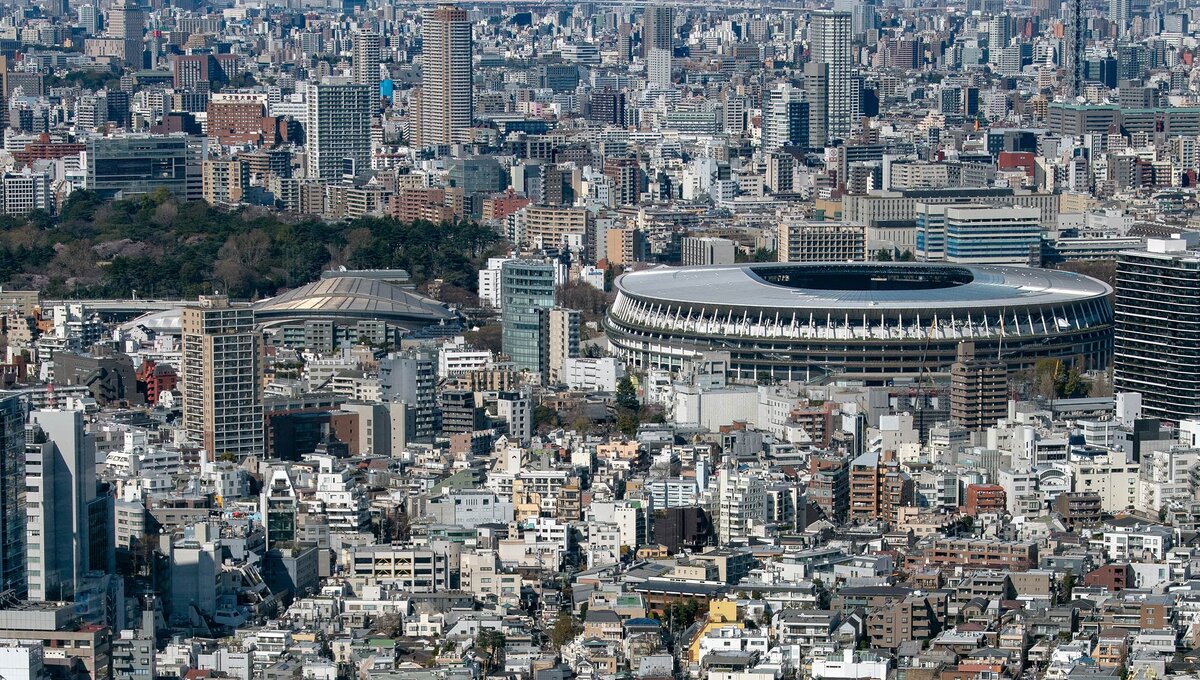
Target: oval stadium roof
<point>748,285</point>
<point>347,297</point>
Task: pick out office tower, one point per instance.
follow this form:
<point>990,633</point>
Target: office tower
<point>624,43</point>
<point>787,119</point>
<point>978,394</point>
<point>89,19</point>
<point>816,93</point>
<point>446,99</point>
<point>1076,41</point>
<point>804,240</point>
<point>977,234</point>
<point>339,128</point>
<point>127,22</point>
<point>526,288</point>
<point>67,522</point>
<point>865,18</point>
<point>999,35</point>
<point>658,29</point>
<point>368,52</point>
<point>864,15</point>
<point>134,165</point>
<point>1157,311</point>
<point>222,378</point>
<point>831,45</point>
<point>560,341</point>
<point>12,485</point>
<point>1119,15</point>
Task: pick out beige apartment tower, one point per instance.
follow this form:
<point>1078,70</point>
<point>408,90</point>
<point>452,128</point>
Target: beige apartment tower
<point>560,341</point>
<point>446,104</point>
<point>222,378</point>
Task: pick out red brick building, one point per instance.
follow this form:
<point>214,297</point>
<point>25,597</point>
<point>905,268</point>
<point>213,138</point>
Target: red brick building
<point>985,498</point>
<point>154,379</point>
<point>240,122</point>
<point>1114,577</point>
<point>44,149</point>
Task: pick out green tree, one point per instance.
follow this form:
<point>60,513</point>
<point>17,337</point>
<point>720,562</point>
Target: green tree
<point>627,394</point>
<point>627,422</point>
<point>1066,587</point>
<point>564,630</point>
<point>883,255</point>
<point>765,255</point>
<point>488,646</point>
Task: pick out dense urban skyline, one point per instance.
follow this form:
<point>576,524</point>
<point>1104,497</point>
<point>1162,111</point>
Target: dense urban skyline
<point>346,339</point>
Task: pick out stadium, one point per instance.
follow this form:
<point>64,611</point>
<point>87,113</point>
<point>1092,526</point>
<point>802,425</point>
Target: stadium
<point>873,322</point>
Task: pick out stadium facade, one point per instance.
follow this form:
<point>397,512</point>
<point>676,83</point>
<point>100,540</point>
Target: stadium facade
<point>859,321</point>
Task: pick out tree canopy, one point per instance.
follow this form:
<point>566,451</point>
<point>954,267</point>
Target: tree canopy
<point>159,247</point>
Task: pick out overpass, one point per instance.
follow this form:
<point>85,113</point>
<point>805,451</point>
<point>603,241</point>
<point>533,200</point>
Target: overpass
<point>124,308</point>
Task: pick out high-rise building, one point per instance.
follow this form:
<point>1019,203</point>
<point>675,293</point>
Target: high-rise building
<point>658,67</point>
<point>67,523</point>
<point>526,288</point>
<point>816,94</point>
<point>446,104</point>
<point>222,378</point>
<point>560,341</point>
<point>368,52</point>
<point>1119,14</point>
<point>978,389</point>
<point>12,486</point>
<point>999,35</point>
<point>831,43</point>
<point>658,29</point>
<point>127,22</point>
<point>787,119</point>
<point>225,181</point>
<point>1157,333</point>
<point>339,128</point>
<point>89,19</point>
<point>1076,39</point>
<point>878,488</point>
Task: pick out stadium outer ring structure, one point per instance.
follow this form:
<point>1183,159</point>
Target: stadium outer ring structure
<point>873,322</point>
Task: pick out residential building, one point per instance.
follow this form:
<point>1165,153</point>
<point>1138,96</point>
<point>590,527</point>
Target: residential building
<point>338,136</point>
<point>222,378</point>
<point>446,102</point>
